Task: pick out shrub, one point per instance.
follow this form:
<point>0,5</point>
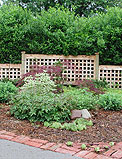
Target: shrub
<point>14,82</point>
<point>7,90</point>
<point>50,107</point>
<point>100,84</point>
<point>39,84</point>
<point>55,72</point>
<point>81,99</point>
<point>93,86</point>
<point>37,102</point>
<point>110,101</point>
<point>65,34</point>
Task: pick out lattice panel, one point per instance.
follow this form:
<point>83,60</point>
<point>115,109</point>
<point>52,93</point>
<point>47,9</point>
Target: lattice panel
<point>11,71</point>
<point>112,74</point>
<point>75,68</point>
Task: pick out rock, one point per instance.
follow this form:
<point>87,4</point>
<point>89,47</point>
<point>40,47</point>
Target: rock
<point>76,114</point>
<point>85,114</point>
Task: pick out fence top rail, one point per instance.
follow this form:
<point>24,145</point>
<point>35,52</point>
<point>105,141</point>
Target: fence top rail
<point>10,65</point>
<point>59,56</point>
<point>110,67</point>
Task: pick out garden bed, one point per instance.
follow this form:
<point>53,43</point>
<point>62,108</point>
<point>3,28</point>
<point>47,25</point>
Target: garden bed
<point>107,127</point>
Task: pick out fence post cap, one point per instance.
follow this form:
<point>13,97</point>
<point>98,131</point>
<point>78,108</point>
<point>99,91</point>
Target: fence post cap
<point>97,53</point>
<point>23,52</point>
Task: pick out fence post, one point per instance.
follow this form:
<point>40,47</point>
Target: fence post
<point>23,63</point>
<point>97,66</point>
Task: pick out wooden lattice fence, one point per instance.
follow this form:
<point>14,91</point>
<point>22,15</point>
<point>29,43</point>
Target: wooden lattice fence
<point>112,74</point>
<point>11,71</point>
<point>75,68</point>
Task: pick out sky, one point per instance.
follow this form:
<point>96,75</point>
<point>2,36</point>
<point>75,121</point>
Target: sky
<point>0,2</point>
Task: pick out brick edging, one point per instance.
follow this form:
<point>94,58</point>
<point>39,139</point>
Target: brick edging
<point>75,150</point>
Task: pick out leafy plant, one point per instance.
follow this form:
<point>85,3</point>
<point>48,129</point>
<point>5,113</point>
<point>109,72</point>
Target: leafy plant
<point>78,125</point>
<point>69,143</point>
<point>111,143</point>
<point>5,80</point>
<point>110,101</point>
<point>7,90</point>
<point>97,149</point>
<point>37,102</point>
<point>83,146</point>
<point>39,84</point>
<point>100,84</point>
<point>56,125</point>
<point>46,124</point>
<point>47,107</point>
<point>81,99</point>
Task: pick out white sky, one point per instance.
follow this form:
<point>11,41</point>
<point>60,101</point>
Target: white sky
<point>0,2</point>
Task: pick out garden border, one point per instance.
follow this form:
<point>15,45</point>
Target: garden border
<point>114,152</point>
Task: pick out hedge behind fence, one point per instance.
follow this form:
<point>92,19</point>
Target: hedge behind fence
<point>60,32</point>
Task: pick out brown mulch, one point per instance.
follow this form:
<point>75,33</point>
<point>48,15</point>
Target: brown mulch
<point>107,127</point>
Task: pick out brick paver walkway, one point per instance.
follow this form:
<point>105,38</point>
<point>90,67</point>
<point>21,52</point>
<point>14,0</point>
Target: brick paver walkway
<point>114,152</point>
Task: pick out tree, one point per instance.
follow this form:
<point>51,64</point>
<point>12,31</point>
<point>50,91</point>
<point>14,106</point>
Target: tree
<point>81,7</point>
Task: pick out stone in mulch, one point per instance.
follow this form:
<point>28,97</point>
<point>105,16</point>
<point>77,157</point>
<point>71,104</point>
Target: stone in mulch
<point>85,114</point>
<point>76,114</point>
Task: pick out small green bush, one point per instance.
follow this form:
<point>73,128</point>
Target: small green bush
<point>50,107</point>
<point>7,90</point>
<point>110,101</point>
<point>14,82</point>
<point>81,99</point>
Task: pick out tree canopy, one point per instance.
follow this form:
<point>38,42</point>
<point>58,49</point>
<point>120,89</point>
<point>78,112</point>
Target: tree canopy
<point>81,7</point>
<point>59,31</point>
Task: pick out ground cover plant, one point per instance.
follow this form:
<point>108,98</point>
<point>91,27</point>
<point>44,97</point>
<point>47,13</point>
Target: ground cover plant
<point>78,125</point>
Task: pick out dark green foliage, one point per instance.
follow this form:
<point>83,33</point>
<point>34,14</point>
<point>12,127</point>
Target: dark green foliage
<point>110,101</point>
<point>101,84</point>
<point>14,82</point>
<point>81,7</point>
<point>13,28</point>
<point>7,90</point>
<point>59,31</point>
